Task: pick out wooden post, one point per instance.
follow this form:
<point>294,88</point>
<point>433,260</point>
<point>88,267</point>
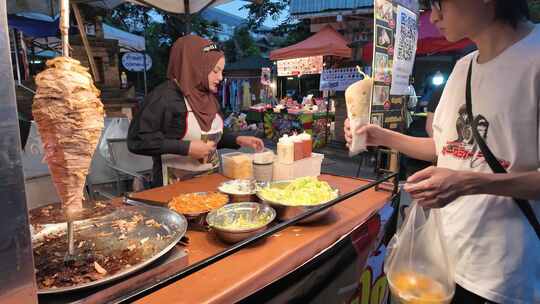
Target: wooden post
<point>87,48</point>
<point>187,17</point>
<point>64,26</point>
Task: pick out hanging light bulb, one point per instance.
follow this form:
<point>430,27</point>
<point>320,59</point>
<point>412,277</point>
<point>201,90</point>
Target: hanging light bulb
<point>438,79</point>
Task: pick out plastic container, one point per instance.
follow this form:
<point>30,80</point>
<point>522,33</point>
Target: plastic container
<point>285,150</point>
<point>263,166</point>
<point>237,165</point>
<point>310,166</point>
<point>298,148</point>
<point>307,144</point>
<point>263,172</point>
<point>264,157</point>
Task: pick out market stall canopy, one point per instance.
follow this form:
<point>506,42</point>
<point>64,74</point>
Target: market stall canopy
<point>177,6</point>
<point>50,7</point>
<point>36,27</point>
<point>327,42</point>
<point>126,41</point>
<point>430,41</point>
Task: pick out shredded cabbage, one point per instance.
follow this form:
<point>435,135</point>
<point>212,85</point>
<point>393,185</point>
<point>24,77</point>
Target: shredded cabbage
<point>305,191</point>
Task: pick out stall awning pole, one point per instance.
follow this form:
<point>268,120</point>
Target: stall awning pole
<point>187,17</point>
<point>64,26</point>
<point>144,52</point>
<point>16,50</point>
<point>84,38</point>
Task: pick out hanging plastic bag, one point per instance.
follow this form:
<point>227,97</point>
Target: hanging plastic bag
<point>115,128</point>
<point>417,264</point>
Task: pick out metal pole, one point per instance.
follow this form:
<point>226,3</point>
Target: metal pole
<point>145,24</point>
<point>16,259</point>
<point>64,26</point>
<point>187,17</point>
<point>16,50</point>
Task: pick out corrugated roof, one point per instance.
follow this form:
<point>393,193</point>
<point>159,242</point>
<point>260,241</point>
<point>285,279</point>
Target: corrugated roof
<point>220,16</point>
<point>298,7</point>
<point>249,63</point>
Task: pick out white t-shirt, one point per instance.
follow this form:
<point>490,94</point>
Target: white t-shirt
<point>496,251</point>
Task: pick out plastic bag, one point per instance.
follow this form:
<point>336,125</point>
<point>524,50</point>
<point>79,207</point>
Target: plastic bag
<point>417,264</point>
<point>115,128</point>
<point>358,144</point>
<point>358,100</point>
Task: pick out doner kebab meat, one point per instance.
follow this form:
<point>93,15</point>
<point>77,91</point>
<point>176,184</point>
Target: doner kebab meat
<point>69,116</point>
<point>358,100</point>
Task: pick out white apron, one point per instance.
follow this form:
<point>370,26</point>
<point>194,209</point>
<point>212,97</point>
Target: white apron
<point>180,167</point>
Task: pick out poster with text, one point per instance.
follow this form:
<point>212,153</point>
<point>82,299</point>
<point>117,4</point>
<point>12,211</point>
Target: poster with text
<point>394,43</point>
<point>300,66</point>
<point>404,51</point>
<point>339,79</point>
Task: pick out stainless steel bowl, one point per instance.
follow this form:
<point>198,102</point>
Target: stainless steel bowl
<point>286,212</point>
<point>226,215</point>
<point>196,219</point>
<point>244,196</point>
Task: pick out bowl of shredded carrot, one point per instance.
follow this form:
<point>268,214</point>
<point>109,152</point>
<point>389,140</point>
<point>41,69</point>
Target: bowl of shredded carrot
<point>195,204</point>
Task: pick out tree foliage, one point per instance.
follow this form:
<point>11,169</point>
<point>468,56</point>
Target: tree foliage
<point>160,30</point>
<point>534,8</point>
<point>241,45</point>
<point>290,31</point>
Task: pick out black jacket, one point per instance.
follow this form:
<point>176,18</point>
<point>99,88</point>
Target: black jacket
<point>159,126</point>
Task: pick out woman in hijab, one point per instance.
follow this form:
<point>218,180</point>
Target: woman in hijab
<point>180,123</point>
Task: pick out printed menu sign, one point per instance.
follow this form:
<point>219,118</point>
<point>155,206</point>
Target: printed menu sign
<point>339,79</point>
<point>300,66</point>
<point>395,38</point>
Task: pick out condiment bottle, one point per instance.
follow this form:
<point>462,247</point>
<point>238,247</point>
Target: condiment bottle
<point>307,144</point>
<point>285,150</point>
<point>298,147</point>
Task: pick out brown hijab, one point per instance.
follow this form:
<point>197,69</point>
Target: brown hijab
<point>191,59</point>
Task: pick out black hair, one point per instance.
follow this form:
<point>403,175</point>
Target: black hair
<point>512,11</point>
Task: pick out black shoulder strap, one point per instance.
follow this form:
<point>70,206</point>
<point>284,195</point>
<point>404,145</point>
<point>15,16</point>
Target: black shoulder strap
<point>494,164</point>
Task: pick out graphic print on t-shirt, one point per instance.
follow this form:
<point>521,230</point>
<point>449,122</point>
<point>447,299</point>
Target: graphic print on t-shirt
<point>465,146</point>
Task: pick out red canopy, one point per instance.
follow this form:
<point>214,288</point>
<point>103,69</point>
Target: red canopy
<point>327,42</point>
<point>430,41</point>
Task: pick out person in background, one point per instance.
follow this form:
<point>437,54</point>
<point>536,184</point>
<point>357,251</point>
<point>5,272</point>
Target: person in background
<point>492,243</point>
<point>181,117</point>
<point>412,101</point>
<point>432,105</point>
<point>427,91</point>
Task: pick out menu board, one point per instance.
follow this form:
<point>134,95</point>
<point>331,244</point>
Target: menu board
<point>395,38</point>
<point>339,79</point>
<point>300,66</point>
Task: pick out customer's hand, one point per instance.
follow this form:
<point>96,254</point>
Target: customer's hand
<point>199,149</point>
<point>250,141</point>
<point>437,187</point>
<point>375,135</point>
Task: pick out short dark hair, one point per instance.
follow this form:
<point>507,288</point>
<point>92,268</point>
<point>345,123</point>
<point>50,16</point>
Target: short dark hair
<point>512,11</point>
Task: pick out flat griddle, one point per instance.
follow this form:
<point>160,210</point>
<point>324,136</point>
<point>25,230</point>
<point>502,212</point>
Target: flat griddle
<point>121,239</point>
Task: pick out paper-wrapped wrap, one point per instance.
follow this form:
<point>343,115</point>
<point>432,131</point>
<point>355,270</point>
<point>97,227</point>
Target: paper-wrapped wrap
<point>69,116</point>
<point>358,100</point>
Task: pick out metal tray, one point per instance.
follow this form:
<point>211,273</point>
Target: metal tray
<point>172,228</point>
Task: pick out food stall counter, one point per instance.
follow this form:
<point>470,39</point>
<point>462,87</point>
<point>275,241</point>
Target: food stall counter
<point>251,269</point>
